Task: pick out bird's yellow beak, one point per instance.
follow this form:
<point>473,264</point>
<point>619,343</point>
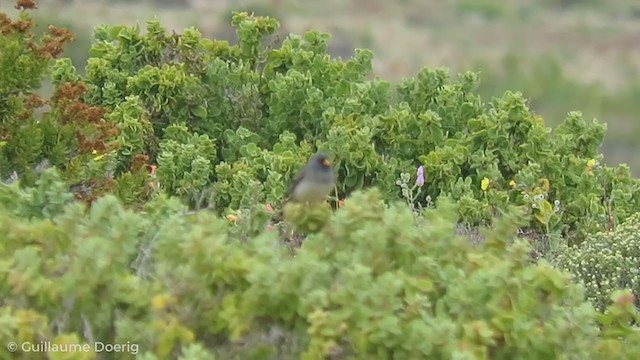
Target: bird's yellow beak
<point>326,162</point>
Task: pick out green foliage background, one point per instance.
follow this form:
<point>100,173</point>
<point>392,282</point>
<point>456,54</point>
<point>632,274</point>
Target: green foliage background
<point>563,55</point>
<point>162,135</point>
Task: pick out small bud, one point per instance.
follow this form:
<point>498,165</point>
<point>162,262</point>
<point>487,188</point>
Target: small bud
<point>420,176</point>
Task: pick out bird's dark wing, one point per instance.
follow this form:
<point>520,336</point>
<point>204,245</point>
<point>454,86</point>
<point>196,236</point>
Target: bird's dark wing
<point>296,180</point>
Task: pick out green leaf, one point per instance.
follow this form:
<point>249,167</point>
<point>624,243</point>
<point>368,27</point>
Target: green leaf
<point>199,111</point>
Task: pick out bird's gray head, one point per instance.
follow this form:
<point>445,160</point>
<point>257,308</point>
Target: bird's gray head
<point>320,161</point>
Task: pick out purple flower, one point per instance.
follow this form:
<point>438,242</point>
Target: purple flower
<point>420,174</point>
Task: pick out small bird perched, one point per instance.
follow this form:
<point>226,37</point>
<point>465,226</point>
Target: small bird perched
<point>314,182</point>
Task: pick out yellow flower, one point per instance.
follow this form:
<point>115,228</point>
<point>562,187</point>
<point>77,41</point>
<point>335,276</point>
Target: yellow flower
<point>591,163</point>
<point>232,218</point>
<point>97,157</point>
<point>512,183</point>
<point>484,185</point>
<point>161,301</point>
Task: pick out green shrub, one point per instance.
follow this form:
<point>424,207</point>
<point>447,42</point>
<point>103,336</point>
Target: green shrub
<point>551,91</point>
<point>25,61</point>
<point>77,138</point>
<point>266,109</point>
<point>371,284</point>
<point>606,262</point>
<point>227,127</point>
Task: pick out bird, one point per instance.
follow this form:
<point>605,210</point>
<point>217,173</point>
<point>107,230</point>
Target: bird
<point>314,182</point>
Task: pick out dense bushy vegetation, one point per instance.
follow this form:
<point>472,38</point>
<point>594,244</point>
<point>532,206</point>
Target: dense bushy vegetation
<point>606,262</point>
<point>371,284</point>
<point>180,149</point>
